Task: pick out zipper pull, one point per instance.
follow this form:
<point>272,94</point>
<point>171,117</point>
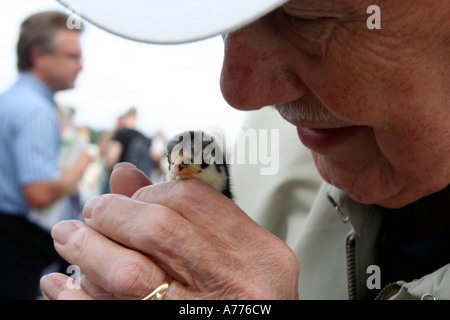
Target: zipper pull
<point>344,217</point>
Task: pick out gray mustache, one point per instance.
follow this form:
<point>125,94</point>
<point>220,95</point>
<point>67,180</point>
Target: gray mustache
<point>305,112</point>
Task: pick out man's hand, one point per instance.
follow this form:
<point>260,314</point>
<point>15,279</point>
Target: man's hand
<point>43,193</point>
<point>186,229</point>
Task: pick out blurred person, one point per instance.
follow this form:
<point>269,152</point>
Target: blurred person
<point>372,106</point>
<point>129,145</point>
<point>74,141</point>
<point>49,60</point>
<point>157,152</point>
<point>103,181</point>
<point>72,145</point>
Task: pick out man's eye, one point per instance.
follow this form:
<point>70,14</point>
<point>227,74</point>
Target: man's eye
<point>308,32</point>
<point>309,25</point>
<point>314,29</point>
<point>301,21</point>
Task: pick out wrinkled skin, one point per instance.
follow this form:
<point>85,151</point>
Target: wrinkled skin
<point>209,247</point>
<point>392,82</point>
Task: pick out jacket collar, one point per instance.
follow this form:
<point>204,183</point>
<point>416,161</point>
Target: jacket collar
<point>350,211</point>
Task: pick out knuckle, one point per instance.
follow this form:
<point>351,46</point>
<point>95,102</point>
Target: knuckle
<point>78,244</point>
<point>162,225</point>
<point>184,187</point>
<point>107,201</point>
<point>103,204</point>
<point>131,278</point>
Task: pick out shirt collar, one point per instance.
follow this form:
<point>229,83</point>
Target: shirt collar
<point>30,79</point>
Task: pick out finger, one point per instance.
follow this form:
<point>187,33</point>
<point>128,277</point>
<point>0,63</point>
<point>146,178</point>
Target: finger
<point>157,217</point>
<point>183,249</point>
<point>95,291</point>
<point>220,236</point>
<point>55,287</point>
<point>125,273</point>
<point>126,179</point>
<point>211,257</point>
<point>203,206</point>
<point>152,229</point>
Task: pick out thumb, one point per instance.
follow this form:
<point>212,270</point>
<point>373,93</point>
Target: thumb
<point>126,179</point>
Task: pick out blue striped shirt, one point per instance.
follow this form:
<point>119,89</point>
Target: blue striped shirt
<point>29,140</point>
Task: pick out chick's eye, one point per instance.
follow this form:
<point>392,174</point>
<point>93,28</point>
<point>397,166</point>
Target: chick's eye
<point>204,165</point>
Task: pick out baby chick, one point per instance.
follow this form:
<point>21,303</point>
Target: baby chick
<point>196,154</point>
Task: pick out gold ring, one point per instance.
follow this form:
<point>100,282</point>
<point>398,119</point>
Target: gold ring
<point>160,291</point>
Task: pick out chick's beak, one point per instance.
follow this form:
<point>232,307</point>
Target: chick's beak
<point>182,170</point>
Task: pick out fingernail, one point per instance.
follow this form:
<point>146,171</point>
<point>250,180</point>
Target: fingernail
<point>62,231</point>
<point>51,285</point>
<point>90,206</point>
<point>123,165</point>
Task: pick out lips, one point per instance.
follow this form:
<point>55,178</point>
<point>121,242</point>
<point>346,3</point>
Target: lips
<point>318,129</point>
<point>323,140</point>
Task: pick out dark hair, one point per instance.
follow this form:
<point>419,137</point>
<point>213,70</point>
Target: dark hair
<point>39,30</point>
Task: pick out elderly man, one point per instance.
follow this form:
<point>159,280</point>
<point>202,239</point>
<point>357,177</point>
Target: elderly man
<point>30,181</point>
<point>371,104</point>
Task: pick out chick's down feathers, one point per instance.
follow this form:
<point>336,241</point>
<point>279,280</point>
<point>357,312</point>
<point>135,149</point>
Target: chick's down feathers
<point>196,154</point>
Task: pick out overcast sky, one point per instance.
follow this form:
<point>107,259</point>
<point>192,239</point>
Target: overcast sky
<point>175,88</point>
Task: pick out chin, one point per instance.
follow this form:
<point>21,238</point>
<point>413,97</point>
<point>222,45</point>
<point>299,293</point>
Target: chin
<point>397,197</point>
<point>71,85</point>
<point>366,189</point>
<point>396,201</point>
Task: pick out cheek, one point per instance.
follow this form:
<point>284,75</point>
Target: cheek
<point>355,81</point>
<point>397,166</point>
<point>359,168</point>
<point>352,99</point>
<point>419,150</point>
<point>57,68</point>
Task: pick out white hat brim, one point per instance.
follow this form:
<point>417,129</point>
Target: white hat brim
<point>170,21</point>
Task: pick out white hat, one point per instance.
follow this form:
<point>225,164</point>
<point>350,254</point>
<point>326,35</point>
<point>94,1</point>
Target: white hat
<point>170,21</point>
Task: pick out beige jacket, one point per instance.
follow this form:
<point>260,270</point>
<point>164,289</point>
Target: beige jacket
<point>337,245</point>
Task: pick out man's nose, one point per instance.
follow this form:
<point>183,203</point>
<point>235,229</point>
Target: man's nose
<point>257,68</point>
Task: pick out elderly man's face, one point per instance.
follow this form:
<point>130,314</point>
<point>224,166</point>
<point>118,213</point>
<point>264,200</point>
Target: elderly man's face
<point>372,105</point>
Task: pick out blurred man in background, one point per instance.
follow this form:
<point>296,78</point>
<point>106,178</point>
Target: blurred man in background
<point>49,60</point>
